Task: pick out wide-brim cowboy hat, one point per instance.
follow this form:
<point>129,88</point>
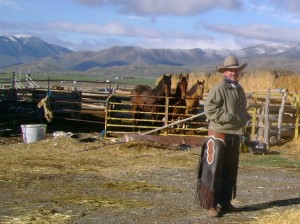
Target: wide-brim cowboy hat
<point>231,62</point>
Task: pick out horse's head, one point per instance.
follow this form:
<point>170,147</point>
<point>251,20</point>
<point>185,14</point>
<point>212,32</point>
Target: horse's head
<point>200,89</point>
<point>182,85</point>
<point>166,81</point>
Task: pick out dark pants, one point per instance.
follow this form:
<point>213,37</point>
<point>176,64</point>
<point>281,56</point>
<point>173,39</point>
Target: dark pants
<point>218,168</point>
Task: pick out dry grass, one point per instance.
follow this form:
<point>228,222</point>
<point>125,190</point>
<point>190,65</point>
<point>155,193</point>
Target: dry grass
<point>291,149</point>
<point>290,216</point>
<point>259,80</point>
<point>291,83</point>
<point>39,217</point>
<point>262,80</point>
<point>39,164</point>
<point>33,164</point>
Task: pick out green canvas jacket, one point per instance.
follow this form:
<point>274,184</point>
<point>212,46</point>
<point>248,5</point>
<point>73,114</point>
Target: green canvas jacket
<point>225,108</point>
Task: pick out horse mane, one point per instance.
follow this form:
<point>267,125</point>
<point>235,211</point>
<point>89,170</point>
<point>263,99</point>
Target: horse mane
<point>160,85</point>
<point>174,80</point>
<point>193,89</point>
<point>180,78</point>
<point>158,80</point>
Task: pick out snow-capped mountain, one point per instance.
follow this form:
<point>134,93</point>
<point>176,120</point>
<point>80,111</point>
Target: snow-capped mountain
<point>20,49</point>
<point>269,49</point>
<point>26,52</point>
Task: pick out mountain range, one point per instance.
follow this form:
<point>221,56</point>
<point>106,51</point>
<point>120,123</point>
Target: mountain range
<point>21,52</point>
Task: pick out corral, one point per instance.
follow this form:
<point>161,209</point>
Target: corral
<point>97,180</point>
<point>274,112</point>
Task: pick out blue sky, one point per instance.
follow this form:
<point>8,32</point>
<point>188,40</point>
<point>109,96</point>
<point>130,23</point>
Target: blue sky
<point>175,24</point>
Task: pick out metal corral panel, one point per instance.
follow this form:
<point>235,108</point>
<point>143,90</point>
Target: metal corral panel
<point>119,119</point>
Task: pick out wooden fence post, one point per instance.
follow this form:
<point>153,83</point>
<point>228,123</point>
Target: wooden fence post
<point>280,115</point>
<point>267,126</point>
<point>297,119</point>
<point>166,111</point>
<point>253,127</point>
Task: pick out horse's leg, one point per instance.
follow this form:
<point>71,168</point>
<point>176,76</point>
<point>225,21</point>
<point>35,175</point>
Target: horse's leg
<point>157,119</point>
<point>187,111</point>
<point>134,116</point>
<point>154,116</point>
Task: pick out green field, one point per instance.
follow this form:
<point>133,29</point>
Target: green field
<point>5,77</point>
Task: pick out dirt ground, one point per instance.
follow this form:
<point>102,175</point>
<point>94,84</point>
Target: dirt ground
<point>64,180</point>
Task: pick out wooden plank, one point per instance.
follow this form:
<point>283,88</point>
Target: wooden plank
<point>266,131</point>
<point>286,118</point>
<point>280,116</point>
<point>254,120</point>
<point>297,119</point>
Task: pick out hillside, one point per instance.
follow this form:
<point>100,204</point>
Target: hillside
<point>30,53</point>
<point>22,49</point>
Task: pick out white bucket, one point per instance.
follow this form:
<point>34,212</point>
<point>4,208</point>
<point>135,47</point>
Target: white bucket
<point>33,132</point>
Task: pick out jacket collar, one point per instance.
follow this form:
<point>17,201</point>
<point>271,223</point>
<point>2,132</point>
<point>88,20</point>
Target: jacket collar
<point>231,84</point>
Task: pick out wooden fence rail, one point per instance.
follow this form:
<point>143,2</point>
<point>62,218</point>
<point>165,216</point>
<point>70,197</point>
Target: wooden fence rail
<point>275,115</point>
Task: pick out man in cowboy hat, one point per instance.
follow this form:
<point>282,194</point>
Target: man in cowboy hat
<point>225,109</point>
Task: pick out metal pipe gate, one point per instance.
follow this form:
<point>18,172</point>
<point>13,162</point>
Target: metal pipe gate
<point>119,119</point>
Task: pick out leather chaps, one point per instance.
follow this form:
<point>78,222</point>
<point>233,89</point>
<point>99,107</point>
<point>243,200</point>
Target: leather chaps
<point>217,169</point>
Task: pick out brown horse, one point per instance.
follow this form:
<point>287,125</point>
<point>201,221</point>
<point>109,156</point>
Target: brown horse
<point>144,98</point>
<point>182,86</point>
<point>191,102</point>
<point>180,92</point>
<point>193,96</point>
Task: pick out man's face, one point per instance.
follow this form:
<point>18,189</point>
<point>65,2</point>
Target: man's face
<point>232,74</point>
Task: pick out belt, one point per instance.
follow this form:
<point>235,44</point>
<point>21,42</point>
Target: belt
<point>216,134</point>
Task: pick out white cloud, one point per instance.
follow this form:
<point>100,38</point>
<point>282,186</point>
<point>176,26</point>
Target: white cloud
<point>15,5</point>
<point>147,23</point>
<point>189,44</point>
<point>260,32</point>
<point>9,3</point>
<point>92,2</point>
<point>95,29</point>
<point>109,29</point>
<point>277,10</point>
<point>287,5</point>
<point>165,7</point>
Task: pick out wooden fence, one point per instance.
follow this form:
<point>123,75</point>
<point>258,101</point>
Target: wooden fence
<point>68,99</point>
<point>275,116</point>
